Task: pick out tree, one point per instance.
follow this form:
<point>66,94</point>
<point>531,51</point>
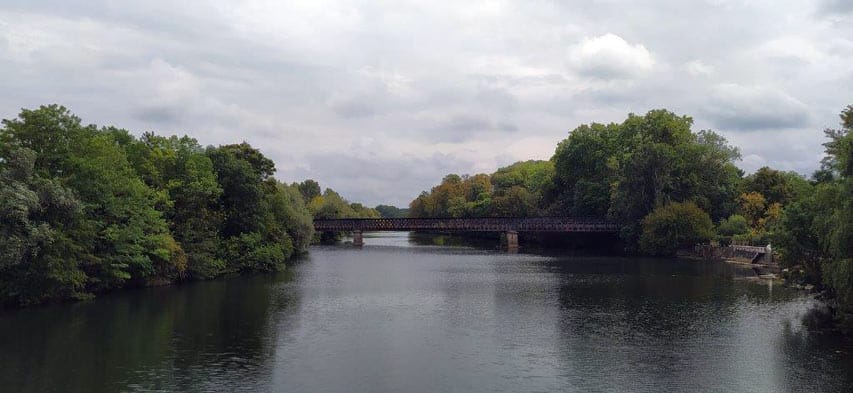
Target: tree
<point>37,256</point>
<point>86,210</point>
<point>663,161</point>
<point>675,226</point>
<point>752,206</point>
<point>583,170</point>
<point>183,176</point>
<point>815,233</point>
<point>121,236</point>
<point>735,225</point>
<point>240,170</point>
<point>262,217</point>
<point>776,186</point>
<point>309,189</point>
<point>620,171</point>
<point>517,201</point>
<point>388,211</point>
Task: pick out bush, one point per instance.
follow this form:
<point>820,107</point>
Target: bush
<point>674,226</point>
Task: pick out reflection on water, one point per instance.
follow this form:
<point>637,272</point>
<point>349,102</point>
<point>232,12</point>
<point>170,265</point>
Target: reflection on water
<point>396,316</point>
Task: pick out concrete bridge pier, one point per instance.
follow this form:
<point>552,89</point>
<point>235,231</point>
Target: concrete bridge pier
<point>512,241</point>
<point>357,238</point>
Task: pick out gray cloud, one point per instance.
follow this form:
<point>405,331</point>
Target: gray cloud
<point>353,108</point>
<point>836,6</point>
<point>380,100</point>
<point>460,128</point>
<point>755,108</point>
<point>159,114</point>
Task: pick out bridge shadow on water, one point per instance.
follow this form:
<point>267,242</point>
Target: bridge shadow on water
<point>551,243</point>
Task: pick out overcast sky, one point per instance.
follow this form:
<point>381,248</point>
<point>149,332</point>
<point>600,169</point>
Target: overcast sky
<point>379,100</point>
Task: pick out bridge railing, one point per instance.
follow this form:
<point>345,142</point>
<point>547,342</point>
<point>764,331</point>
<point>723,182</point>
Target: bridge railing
<point>484,224</point>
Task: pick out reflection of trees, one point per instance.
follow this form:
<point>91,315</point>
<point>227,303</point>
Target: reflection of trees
<point>650,324</point>
<point>809,358</point>
<point>164,338</point>
<point>485,240</point>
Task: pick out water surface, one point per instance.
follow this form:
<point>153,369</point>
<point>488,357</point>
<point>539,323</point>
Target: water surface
<point>397,317</point>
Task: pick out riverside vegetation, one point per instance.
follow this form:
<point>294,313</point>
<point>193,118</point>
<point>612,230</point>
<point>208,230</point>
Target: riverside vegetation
<point>670,187</point>
<point>87,209</point>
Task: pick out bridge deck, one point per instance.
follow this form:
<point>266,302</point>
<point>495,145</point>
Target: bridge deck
<point>490,224</point>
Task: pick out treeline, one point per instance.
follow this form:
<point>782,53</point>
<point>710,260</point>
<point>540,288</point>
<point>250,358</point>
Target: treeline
<point>330,204</point>
<point>87,209</point>
<point>815,232</point>
<point>670,187</point>
<point>625,172</point>
<point>518,190</point>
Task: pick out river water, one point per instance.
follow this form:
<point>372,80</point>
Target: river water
<point>400,317</point>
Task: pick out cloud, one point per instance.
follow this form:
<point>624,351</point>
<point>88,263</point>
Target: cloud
<point>461,127</point>
<point>379,100</point>
<point>611,57</point>
<point>354,107</point>
<point>748,108</point>
<point>835,7</point>
<point>698,68</point>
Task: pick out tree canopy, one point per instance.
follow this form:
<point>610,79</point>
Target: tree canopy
<point>622,171</point>
<point>87,209</point>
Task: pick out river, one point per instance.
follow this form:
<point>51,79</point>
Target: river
<point>400,317</point>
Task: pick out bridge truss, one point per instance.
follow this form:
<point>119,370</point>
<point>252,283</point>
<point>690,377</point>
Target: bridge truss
<point>486,224</point>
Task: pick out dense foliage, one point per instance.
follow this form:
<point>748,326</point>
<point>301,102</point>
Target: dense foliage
<point>674,226</point>
<point>814,234</point>
<point>329,205</point>
<point>620,171</point>
<point>86,209</point>
<point>388,211</point>
<point>513,191</point>
<point>666,186</point>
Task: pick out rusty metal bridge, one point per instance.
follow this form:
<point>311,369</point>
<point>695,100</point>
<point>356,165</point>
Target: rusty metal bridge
<point>510,225</point>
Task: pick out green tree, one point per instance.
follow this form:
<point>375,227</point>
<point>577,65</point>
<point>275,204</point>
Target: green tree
<point>121,236</point>
<point>388,211</point>
<point>183,176</point>
<point>261,216</point>
<point>309,189</point>
<point>815,233</point>
<point>675,226</point>
<point>735,225</point>
<point>776,186</point>
<point>38,258</point>
<point>584,170</point>
<point>663,161</point>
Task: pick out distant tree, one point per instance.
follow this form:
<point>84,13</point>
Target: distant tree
<point>753,206</point>
<point>776,186</point>
<point>388,211</point>
<point>674,226</point>
<point>309,189</point>
<point>734,225</point>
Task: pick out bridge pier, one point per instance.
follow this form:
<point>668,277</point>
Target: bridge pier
<point>357,238</point>
<point>512,241</point>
